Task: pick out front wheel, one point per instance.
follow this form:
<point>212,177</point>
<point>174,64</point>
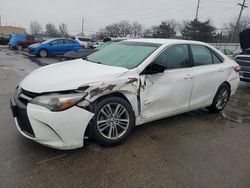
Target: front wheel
<point>220,100</point>
<point>43,53</point>
<point>113,121</point>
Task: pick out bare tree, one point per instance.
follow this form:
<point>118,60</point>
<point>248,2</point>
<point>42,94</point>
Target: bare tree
<point>229,28</point>
<point>35,27</point>
<point>51,30</point>
<point>112,30</point>
<point>124,28</point>
<point>63,31</point>
<point>136,30</point>
<point>101,34</point>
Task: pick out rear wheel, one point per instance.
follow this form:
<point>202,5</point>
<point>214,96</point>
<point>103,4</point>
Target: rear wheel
<point>43,53</point>
<point>220,100</point>
<point>113,121</point>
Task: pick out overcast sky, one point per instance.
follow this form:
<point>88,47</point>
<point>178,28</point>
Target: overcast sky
<point>98,13</point>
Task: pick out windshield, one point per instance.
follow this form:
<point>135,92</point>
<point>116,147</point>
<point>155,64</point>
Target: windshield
<point>103,45</point>
<point>124,54</point>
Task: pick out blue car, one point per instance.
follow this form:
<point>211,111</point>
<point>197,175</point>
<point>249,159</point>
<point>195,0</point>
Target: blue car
<point>53,47</point>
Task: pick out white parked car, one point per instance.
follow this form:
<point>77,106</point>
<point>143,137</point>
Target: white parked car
<point>125,84</point>
<point>86,42</point>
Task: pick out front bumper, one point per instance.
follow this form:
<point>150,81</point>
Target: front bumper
<point>245,75</point>
<point>61,130</point>
<point>32,51</point>
<point>244,62</point>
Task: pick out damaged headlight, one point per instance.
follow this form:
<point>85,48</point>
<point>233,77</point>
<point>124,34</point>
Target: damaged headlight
<point>59,102</point>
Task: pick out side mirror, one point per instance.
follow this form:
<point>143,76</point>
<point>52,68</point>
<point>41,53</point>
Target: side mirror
<point>154,68</point>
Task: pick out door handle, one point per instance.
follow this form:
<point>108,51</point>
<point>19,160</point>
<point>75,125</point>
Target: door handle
<point>188,77</point>
<point>221,70</point>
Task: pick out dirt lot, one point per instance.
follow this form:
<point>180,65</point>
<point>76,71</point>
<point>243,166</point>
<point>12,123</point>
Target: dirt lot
<point>195,149</point>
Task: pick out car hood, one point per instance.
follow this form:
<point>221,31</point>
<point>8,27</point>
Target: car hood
<point>69,75</point>
<point>35,45</point>
<point>245,39</point>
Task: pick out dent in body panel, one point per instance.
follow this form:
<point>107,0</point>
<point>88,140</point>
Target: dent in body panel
<point>127,86</point>
<point>156,96</point>
<point>98,90</point>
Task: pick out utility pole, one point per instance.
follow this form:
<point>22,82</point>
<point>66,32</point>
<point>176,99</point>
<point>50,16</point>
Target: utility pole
<point>82,25</point>
<point>197,10</point>
<point>0,20</point>
<point>238,20</point>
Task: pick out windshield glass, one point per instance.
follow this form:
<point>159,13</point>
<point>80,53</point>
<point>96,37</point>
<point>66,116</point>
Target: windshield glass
<point>124,54</point>
<point>103,45</point>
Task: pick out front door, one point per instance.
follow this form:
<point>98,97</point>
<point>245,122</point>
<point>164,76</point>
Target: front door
<point>168,93</point>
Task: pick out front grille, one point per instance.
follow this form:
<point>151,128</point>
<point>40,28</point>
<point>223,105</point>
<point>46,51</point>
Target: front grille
<point>26,96</point>
<point>243,63</point>
<point>24,124</point>
<point>29,94</point>
<point>22,117</point>
<point>246,74</point>
<point>243,58</point>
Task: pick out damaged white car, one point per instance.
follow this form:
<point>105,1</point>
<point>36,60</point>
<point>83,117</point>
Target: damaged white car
<point>123,85</point>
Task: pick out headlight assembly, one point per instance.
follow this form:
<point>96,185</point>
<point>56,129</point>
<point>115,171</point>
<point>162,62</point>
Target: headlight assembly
<point>59,102</point>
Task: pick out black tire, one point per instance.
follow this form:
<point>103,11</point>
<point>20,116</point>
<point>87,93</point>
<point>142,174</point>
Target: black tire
<point>43,53</point>
<point>216,107</point>
<point>98,135</point>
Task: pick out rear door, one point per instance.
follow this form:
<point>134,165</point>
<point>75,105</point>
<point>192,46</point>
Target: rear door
<point>209,74</point>
<point>56,47</point>
<point>69,45</point>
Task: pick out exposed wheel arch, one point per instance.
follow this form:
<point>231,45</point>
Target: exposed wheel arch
<point>213,108</point>
<point>114,94</point>
<point>225,83</point>
<point>89,131</point>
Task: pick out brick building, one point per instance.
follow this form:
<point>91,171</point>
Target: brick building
<point>6,30</point>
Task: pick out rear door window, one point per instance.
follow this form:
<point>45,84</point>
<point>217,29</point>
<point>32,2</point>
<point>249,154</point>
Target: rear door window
<point>57,42</point>
<point>69,41</point>
<point>216,59</point>
<point>201,55</point>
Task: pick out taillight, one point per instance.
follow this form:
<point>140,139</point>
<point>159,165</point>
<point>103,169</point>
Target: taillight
<point>237,69</point>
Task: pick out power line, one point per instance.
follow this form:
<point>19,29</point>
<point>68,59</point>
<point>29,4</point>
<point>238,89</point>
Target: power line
<point>82,24</point>
<point>197,10</point>
<point>238,20</point>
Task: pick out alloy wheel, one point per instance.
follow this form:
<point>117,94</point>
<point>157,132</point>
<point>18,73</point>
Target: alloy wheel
<point>113,121</point>
<point>222,99</point>
<point>43,53</point>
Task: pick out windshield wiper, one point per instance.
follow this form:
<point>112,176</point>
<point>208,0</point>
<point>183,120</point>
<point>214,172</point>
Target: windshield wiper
<point>86,58</point>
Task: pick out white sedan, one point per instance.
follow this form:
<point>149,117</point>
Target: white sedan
<point>123,85</point>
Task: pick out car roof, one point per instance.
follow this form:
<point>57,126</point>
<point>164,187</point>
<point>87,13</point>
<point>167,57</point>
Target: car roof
<point>165,41</point>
